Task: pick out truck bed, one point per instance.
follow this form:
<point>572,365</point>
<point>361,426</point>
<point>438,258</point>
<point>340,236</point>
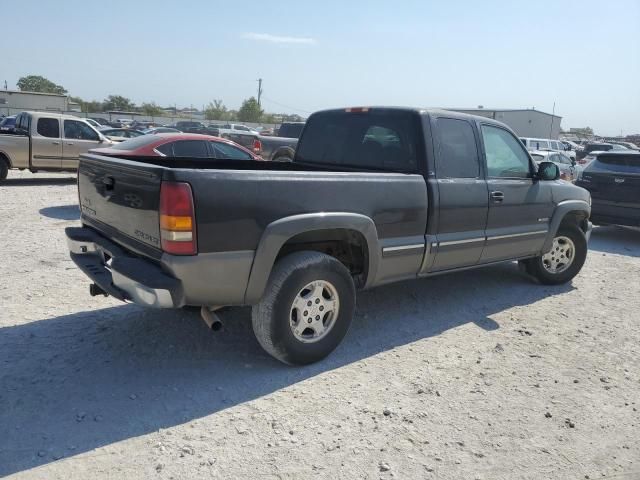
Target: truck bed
<point>236,200</point>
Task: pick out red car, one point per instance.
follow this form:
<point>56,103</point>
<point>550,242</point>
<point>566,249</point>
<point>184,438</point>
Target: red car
<point>192,145</point>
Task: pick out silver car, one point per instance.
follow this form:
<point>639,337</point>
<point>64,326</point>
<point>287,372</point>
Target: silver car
<point>567,166</point>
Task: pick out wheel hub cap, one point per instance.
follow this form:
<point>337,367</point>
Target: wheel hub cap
<point>561,255</point>
<point>314,311</point>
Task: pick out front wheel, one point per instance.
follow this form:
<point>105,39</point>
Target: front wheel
<point>306,309</point>
<point>565,259</point>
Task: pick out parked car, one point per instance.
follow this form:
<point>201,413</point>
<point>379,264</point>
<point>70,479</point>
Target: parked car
<point>103,122</point>
<point>191,145</point>
<point>282,147</point>
<point>238,127</point>
<point>195,127</point>
<point>597,147</point>
<point>8,124</point>
<point>567,167</point>
<point>628,145</point>
<point>120,134</point>
<point>47,141</point>
<point>154,130</point>
<point>365,207</point>
<point>547,144</point>
<point>93,123</point>
<point>613,179</point>
<point>569,145</point>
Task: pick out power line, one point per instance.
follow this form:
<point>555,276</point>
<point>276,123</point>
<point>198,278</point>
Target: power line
<point>286,106</point>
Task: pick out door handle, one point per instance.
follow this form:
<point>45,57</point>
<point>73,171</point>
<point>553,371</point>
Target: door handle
<point>55,143</point>
<point>70,143</point>
<point>497,196</point>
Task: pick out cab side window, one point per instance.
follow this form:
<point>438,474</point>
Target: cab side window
<point>457,154</point>
<point>506,157</point>
<point>79,131</point>
<point>48,127</point>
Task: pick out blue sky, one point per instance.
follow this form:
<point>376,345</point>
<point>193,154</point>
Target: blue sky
<point>583,55</point>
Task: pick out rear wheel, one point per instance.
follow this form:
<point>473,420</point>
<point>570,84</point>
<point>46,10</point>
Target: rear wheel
<point>565,259</point>
<point>4,168</point>
<point>307,308</point>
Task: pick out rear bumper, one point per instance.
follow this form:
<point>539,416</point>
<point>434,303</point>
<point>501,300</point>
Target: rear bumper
<point>121,275</point>
<point>173,281</point>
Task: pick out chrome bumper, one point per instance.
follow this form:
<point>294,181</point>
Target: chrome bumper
<point>127,278</point>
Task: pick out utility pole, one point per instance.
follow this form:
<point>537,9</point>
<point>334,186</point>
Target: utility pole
<point>5,85</point>
<point>553,113</point>
<point>259,91</point>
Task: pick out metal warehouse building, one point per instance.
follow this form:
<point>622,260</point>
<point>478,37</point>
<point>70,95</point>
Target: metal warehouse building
<point>15,101</point>
<point>526,123</point>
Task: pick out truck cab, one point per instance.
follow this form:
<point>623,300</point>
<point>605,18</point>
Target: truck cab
<point>47,141</point>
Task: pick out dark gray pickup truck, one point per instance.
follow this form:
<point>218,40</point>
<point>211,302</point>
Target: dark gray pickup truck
<point>374,195</point>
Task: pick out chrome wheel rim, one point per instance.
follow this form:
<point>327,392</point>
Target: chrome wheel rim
<point>561,255</point>
<point>314,311</point>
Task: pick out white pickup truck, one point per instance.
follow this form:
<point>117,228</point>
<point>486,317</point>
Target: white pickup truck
<point>47,141</point>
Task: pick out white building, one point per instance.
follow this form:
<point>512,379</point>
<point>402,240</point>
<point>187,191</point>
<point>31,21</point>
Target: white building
<point>526,123</point>
<point>15,101</point>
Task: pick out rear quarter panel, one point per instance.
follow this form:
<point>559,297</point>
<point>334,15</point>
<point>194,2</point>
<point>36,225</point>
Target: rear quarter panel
<point>16,149</point>
<point>233,208</point>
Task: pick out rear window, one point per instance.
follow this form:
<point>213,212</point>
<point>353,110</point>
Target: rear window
<point>631,160</point>
<point>379,139</point>
<point>290,130</point>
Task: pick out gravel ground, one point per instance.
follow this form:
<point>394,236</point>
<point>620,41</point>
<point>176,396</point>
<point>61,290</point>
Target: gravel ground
<point>473,375</point>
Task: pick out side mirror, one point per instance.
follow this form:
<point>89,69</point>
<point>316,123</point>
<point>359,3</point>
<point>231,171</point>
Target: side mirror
<point>548,171</point>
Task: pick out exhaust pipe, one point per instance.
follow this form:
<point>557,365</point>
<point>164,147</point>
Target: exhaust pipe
<point>211,319</point>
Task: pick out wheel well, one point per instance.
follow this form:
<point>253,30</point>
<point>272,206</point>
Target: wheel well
<point>348,246</point>
<point>6,159</point>
<point>576,218</point>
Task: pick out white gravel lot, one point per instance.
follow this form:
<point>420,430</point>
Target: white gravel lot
<point>474,375</point>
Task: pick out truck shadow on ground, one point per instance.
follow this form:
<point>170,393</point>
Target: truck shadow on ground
<point>77,382</point>
<point>18,182</point>
<point>61,212</point>
<point>616,240</point>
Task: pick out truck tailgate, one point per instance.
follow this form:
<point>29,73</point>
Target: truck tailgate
<point>121,195</point>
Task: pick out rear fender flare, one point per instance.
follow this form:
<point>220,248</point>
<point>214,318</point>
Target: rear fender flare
<point>278,232</point>
<point>561,211</point>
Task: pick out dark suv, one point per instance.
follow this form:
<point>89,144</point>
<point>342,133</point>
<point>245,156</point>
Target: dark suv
<point>613,178</point>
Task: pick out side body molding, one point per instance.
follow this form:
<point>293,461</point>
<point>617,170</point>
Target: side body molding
<point>558,215</point>
<point>277,233</point>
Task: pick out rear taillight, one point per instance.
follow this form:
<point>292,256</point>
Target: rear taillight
<point>177,219</point>
<point>257,146</point>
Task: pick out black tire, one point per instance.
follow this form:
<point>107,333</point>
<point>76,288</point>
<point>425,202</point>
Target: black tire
<point>536,268</point>
<point>4,168</point>
<point>271,318</point>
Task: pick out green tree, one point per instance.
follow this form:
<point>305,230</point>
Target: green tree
<point>92,106</point>
<point>215,111</point>
<point>118,102</point>
<point>36,83</point>
<point>151,109</point>
<point>250,111</point>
